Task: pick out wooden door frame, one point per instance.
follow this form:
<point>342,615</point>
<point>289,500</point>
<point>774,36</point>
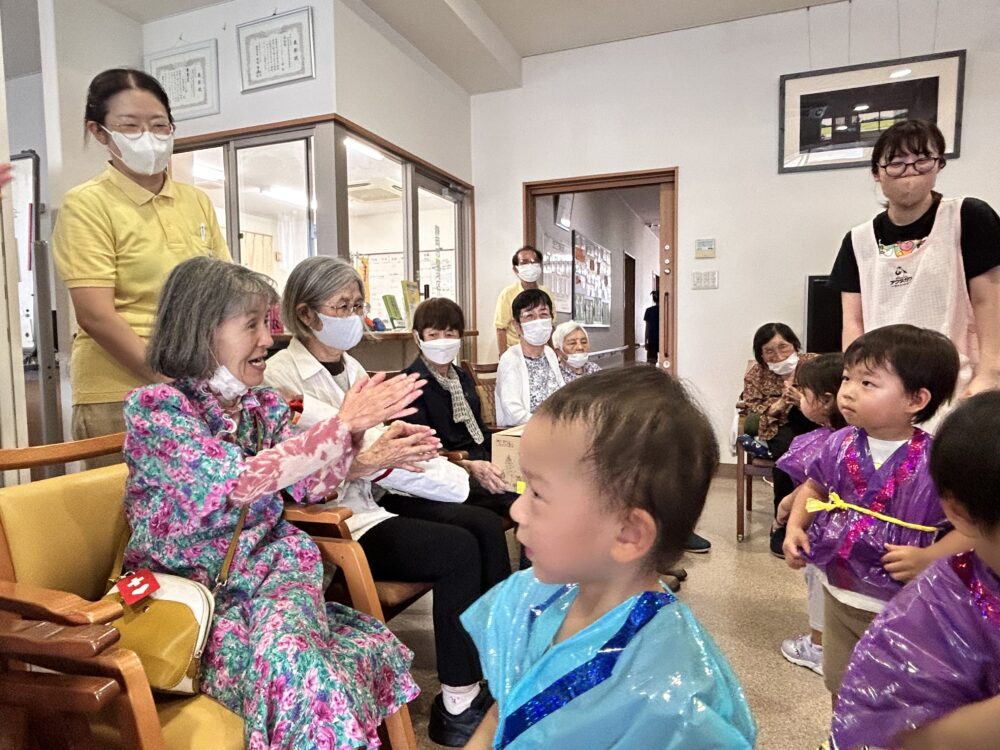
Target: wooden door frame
<point>666,179</point>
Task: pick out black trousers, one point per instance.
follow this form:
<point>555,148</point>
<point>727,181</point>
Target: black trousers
<point>461,549</point>
<point>798,424</point>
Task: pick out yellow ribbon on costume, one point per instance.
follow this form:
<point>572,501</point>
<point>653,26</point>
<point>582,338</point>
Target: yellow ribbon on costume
<point>836,502</point>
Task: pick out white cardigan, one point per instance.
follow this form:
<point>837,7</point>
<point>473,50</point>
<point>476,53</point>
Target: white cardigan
<point>296,370</point>
<point>513,391</point>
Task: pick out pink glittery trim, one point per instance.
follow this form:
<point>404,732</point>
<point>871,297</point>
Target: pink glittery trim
<point>906,469</point>
<point>986,601</point>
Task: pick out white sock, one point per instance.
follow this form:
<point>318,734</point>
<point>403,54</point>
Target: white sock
<point>457,699</point>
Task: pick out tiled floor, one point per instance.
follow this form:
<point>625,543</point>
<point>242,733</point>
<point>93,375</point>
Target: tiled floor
<point>748,600</point>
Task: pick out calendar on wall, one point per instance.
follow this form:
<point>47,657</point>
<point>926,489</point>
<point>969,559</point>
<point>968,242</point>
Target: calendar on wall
<point>591,282</point>
<point>276,50</point>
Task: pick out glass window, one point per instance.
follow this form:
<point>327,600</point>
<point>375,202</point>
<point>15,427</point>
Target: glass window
<point>376,222</point>
<point>275,207</point>
<point>437,219</point>
<point>205,169</point>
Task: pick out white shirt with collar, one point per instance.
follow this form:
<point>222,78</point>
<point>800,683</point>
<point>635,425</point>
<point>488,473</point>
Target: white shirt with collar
<point>513,389</point>
<point>296,370</point>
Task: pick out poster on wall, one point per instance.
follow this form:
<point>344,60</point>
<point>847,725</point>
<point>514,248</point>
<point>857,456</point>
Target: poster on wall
<point>276,50</point>
<point>190,76</point>
<point>591,282</point>
<point>557,272</point>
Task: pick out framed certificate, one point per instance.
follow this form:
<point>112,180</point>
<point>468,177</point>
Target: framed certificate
<point>190,76</point>
<point>276,50</point>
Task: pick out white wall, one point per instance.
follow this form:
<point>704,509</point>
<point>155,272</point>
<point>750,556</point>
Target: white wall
<point>705,100</point>
<point>238,110</point>
<point>26,121</point>
<point>388,87</point>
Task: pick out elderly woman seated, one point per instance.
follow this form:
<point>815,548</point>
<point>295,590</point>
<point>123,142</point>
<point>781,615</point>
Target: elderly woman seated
<point>212,448</point>
<point>449,403</point>
<point>528,372</point>
<point>572,345</point>
<point>413,525</point>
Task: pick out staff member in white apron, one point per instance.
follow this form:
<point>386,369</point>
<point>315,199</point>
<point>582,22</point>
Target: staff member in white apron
<point>926,260</point>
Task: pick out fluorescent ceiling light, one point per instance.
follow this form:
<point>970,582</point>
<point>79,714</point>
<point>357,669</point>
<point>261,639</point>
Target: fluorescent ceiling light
<point>862,108</point>
<point>286,195</point>
<point>205,172</point>
<point>363,148</point>
<point>901,73</point>
<point>841,127</point>
<point>564,223</point>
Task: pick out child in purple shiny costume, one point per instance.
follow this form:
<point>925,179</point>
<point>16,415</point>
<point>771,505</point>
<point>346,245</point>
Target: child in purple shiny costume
<point>894,376</point>
<point>927,672</point>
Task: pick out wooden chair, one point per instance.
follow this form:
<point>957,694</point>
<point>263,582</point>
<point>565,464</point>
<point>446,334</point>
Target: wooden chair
<point>58,539</point>
<point>746,470</point>
<point>486,387</point>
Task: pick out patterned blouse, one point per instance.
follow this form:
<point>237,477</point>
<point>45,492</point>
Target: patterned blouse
<point>569,374</point>
<point>764,394</point>
<point>542,381</point>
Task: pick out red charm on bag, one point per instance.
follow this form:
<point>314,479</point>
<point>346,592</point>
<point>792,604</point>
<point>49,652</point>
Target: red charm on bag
<point>137,586</point>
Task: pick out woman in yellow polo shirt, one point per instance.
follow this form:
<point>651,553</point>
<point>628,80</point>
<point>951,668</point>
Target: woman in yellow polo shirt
<point>116,240</point>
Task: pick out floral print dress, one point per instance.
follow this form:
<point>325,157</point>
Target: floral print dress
<point>303,673</point>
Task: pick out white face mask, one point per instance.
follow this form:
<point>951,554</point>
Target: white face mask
<point>537,332</point>
<point>340,333</point>
<point>440,351</point>
<point>785,366</point>
<point>225,385</point>
<point>147,154</point>
<point>577,359</point>
<point>531,272</point>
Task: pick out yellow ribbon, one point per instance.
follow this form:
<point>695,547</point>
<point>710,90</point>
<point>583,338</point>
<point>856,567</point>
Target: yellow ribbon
<point>521,486</point>
<point>835,502</point>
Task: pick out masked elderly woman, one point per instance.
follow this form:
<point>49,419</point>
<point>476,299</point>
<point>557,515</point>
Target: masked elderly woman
<point>301,672</point>
<point>572,346</point>
<point>413,526</point>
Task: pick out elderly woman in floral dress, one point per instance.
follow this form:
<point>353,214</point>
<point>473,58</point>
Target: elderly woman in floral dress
<point>301,672</point>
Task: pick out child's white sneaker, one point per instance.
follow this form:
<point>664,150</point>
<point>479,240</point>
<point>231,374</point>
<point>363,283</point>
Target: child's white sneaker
<point>804,652</point>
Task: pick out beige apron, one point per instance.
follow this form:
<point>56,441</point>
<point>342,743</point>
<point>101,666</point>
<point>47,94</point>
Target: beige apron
<point>924,286</point>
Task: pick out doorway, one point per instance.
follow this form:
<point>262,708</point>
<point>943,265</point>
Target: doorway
<point>602,237</point>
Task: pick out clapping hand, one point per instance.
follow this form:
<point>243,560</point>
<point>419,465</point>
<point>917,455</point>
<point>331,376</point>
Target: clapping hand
<point>402,446</point>
<point>372,401</point>
<point>487,474</point>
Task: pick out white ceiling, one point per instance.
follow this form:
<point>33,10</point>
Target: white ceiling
<point>145,11</point>
<point>535,28</point>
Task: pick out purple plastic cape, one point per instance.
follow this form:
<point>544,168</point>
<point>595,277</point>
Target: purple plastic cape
<point>802,452</point>
<point>847,545</point>
<point>935,648</point>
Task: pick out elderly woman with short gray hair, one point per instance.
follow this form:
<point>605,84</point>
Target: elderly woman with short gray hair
<point>458,547</point>
<point>212,455</point>
<point>572,345</point>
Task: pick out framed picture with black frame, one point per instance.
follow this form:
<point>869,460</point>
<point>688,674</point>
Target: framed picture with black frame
<point>830,119</point>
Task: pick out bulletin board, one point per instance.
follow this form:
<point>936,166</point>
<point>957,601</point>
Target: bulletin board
<point>591,282</point>
<point>557,271</point>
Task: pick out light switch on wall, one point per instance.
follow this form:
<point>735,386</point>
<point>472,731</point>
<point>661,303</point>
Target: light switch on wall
<point>705,280</point>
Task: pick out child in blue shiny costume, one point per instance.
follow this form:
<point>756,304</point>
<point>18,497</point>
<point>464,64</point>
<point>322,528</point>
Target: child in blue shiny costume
<point>587,649</point>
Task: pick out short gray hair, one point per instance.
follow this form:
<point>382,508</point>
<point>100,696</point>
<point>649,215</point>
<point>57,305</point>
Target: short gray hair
<point>312,282</point>
<point>565,329</point>
<point>200,294</point>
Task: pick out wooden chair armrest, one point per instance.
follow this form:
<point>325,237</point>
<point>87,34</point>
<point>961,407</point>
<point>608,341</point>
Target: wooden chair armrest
<point>37,603</point>
<point>320,519</point>
<point>456,456</point>
<point>24,639</point>
<point>350,558</point>
<point>71,693</point>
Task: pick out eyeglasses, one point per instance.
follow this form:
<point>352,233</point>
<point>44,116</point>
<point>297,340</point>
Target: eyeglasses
<point>769,351</point>
<point>160,129</point>
<point>342,311</point>
<point>922,165</point>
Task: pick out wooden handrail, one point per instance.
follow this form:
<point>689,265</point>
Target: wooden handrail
<point>60,453</point>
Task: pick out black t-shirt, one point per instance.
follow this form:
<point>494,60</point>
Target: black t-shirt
<point>980,242</point>
<point>652,318</point>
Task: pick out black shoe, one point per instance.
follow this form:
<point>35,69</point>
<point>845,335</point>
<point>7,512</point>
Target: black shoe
<point>455,730</point>
<point>697,544</point>
<point>679,573</point>
<point>778,541</point>
<point>671,582</point>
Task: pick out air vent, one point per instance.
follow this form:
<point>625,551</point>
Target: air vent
<point>375,190</point>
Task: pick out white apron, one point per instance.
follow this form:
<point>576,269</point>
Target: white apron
<point>924,287</point>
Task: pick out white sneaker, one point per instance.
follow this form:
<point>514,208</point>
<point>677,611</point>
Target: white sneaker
<point>803,652</point>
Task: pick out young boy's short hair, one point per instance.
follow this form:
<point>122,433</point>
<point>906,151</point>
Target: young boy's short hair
<point>527,300</point>
<point>965,458</point>
<point>823,375</point>
<point>651,447</point>
<point>922,358</point>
